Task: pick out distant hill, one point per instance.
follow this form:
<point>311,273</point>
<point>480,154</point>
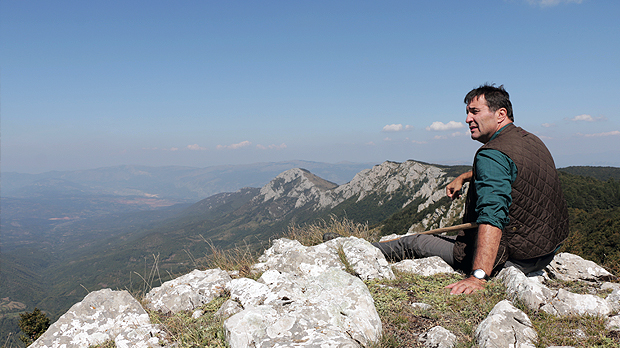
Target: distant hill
<point>599,173</point>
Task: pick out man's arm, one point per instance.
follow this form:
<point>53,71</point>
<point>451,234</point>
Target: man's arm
<point>453,190</point>
<point>487,245</point>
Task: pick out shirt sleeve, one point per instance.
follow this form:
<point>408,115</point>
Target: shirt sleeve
<point>495,173</point>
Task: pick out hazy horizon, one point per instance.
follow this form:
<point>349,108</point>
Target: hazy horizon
<point>88,85</point>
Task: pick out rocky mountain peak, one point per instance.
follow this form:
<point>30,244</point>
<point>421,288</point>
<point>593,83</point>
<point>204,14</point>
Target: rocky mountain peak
<point>407,182</point>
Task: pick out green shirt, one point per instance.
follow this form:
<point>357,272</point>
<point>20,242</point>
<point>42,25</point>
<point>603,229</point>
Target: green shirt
<point>495,173</point>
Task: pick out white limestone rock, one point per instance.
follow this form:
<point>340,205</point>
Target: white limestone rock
<point>613,300</point>
<point>188,292</point>
<point>425,267</point>
<point>506,326</point>
<point>228,309</point>
<point>570,267</point>
<point>566,303</point>
<point>438,337</point>
<point>528,290</point>
<point>332,309</point>
<point>613,323</point>
<point>103,315</point>
<point>292,257</point>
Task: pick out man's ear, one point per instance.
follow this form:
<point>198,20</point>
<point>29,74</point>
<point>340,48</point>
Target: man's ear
<point>501,114</point>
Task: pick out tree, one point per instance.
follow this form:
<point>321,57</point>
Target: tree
<point>33,325</point>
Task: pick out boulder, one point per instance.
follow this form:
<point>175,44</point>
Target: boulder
<point>566,303</point>
<point>570,267</point>
<point>188,292</point>
<point>613,300</point>
<point>291,257</point>
<point>438,337</point>
<point>427,266</point>
<point>528,290</point>
<point>103,315</point>
<point>506,326</point>
<point>332,309</point>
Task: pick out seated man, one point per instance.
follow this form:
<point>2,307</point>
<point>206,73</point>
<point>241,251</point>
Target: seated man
<point>514,196</point>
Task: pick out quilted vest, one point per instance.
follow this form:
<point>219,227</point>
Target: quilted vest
<point>538,213</point>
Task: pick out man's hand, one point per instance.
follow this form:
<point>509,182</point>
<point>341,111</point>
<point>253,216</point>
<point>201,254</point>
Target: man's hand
<point>453,190</point>
<point>466,286</point>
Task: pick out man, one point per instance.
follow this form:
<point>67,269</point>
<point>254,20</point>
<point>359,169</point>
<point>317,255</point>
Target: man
<point>514,196</point>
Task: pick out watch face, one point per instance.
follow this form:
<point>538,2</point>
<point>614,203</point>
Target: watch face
<point>480,274</point>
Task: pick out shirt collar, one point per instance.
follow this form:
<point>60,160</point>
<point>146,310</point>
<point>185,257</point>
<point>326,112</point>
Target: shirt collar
<point>496,133</point>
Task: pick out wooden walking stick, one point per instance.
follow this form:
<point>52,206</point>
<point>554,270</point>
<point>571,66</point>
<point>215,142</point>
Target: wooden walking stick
<point>441,230</point>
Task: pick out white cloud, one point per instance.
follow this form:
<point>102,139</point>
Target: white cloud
<point>604,134</point>
<point>418,142</point>
<point>397,128</point>
<point>195,147</point>
<point>234,146</point>
<point>440,137</point>
<point>549,3</point>
<point>387,139</point>
<point>371,143</point>
<point>586,118</point>
<point>174,149</point>
<point>440,126</point>
<point>272,147</point>
<point>548,125</point>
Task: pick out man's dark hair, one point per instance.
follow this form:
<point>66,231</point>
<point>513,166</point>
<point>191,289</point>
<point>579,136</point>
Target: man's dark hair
<point>496,98</point>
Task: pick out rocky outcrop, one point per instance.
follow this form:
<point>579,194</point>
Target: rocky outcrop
<point>290,256</point>
<point>506,326</point>
<point>418,182</point>
<point>188,292</point>
<point>102,316</point>
<point>331,309</point>
<point>315,297</point>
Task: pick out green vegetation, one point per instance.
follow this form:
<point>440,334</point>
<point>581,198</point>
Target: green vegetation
<point>187,332</point>
<point>33,324</point>
<point>594,208</point>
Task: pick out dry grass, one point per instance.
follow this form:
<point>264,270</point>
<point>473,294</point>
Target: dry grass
<point>312,234</point>
<point>239,259</point>
<point>187,332</point>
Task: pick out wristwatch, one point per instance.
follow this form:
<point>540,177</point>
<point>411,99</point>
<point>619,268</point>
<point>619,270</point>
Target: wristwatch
<point>480,274</point>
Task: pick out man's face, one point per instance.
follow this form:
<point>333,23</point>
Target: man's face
<point>483,123</point>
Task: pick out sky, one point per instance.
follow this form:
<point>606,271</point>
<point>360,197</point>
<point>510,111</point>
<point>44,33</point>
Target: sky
<point>89,84</point>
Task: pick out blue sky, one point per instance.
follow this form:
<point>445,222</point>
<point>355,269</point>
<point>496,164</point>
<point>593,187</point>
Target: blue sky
<point>87,84</point>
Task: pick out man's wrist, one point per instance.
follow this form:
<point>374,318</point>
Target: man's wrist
<point>479,274</point>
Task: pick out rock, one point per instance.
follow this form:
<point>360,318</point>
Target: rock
<point>613,300</point>
<point>421,305</point>
<point>610,286</point>
<point>228,309</point>
<point>291,257</point>
<point>613,324</point>
<point>188,292</point>
<point>332,309</point>
<point>103,315</point>
<point>247,292</point>
<point>438,337</point>
<point>566,303</point>
<point>506,326</point>
<point>569,267</point>
<point>525,289</point>
<point>425,267</point>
